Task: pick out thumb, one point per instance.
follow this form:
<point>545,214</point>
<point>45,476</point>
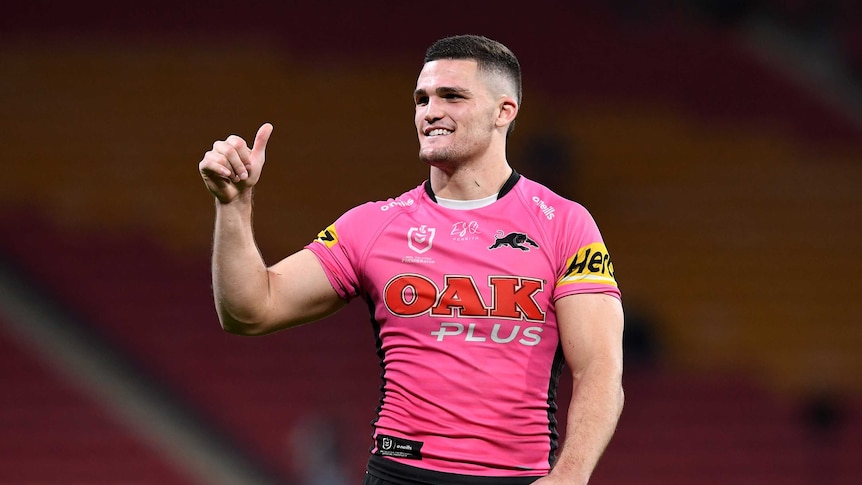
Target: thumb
<point>260,139</point>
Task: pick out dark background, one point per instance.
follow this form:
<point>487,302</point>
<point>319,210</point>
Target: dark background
<point>716,143</point>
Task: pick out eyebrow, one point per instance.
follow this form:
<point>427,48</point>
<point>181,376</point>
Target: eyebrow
<point>443,90</point>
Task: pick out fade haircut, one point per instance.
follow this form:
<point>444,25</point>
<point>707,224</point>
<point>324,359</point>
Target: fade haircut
<point>490,56</point>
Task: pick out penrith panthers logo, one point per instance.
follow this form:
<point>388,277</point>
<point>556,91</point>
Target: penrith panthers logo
<point>514,240</point>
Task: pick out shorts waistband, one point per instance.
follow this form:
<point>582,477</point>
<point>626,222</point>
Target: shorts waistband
<point>395,472</point>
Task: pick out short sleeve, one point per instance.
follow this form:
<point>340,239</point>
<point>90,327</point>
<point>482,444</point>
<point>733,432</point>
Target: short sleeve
<point>336,258</point>
<point>588,267</point>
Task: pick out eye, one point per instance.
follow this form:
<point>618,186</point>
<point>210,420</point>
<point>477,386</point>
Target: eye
<point>453,96</point>
<point>421,100</point>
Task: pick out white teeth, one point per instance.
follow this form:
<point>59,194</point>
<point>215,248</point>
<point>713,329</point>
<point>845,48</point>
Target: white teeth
<point>439,132</point>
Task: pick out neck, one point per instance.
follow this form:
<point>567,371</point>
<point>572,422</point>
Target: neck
<point>469,183</point>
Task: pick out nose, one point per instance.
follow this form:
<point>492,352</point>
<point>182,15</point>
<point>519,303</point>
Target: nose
<point>433,110</point>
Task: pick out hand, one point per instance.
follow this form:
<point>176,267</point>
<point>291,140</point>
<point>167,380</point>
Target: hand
<point>231,168</point>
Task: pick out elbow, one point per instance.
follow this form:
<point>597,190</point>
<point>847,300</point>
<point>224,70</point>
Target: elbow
<point>621,401</point>
<point>617,388</point>
<point>241,327</point>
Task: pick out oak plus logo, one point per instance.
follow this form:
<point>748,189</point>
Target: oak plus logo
<point>420,238</point>
<point>499,333</point>
<point>499,320</point>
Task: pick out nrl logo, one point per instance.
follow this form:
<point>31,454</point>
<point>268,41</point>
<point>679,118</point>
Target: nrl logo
<point>420,238</point>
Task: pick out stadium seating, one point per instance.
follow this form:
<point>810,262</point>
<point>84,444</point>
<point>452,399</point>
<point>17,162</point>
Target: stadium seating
<point>55,432</point>
<point>728,196</point>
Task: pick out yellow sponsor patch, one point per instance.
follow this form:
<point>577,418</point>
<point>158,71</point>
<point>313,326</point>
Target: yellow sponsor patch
<point>328,236</point>
<point>592,265</point>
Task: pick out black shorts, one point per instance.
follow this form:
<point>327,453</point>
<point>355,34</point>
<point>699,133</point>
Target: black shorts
<point>382,471</point>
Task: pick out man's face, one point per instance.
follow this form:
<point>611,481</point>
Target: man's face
<point>455,112</point>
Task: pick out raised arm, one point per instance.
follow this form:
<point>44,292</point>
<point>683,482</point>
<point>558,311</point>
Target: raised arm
<point>591,330</point>
<point>250,298</point>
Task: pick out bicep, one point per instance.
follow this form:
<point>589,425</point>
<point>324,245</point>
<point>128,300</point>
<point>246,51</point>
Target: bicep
<point>591,331</point>
<point>299,291</point>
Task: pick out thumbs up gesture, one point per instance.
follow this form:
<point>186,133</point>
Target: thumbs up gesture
<point>232,168</point>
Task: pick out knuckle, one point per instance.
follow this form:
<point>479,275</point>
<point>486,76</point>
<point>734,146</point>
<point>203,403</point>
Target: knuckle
<point>212,163</point>
<point>206,166</point>
<point>213,157</point>
<point>235,142</point>
<point>225,149</point>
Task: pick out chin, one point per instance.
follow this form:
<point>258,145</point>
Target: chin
<point>436,158</point>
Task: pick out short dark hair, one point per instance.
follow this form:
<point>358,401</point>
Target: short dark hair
<point>490,55</point>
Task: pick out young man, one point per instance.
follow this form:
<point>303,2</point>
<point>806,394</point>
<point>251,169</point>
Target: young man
<point>482,285</point>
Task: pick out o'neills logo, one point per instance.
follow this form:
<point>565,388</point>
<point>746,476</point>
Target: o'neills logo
<point>512,297</point>
<point>397,203</point>
<point>546,209</point>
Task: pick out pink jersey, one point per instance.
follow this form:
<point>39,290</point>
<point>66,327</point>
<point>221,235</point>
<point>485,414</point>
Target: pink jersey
<point>463,304</point>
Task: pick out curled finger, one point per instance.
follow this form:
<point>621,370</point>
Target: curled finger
<point>233,158</point>
<point>215,164</point>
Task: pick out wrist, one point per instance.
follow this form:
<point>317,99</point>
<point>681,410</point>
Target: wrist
<point>565,473</point>
<point>243,198</point>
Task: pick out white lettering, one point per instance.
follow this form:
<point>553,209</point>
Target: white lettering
<point>546,209</point>
<point>530,336</point>
<point>496,330</point>
<point>531,332</point>
<point>396,203</point>
<point>440,334</point>
<point>470,338</point>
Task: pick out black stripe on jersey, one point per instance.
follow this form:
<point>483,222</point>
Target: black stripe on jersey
<point>553,387</point>
<point>378,343</point>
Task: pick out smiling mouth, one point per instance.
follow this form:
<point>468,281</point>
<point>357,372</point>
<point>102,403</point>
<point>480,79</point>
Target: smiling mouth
<point>439,132</point>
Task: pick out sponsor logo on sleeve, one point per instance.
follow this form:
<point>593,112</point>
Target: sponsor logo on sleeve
<point>590,265</point>
<point>328,236</point>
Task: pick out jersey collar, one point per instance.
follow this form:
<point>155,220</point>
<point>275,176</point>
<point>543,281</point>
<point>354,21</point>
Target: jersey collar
<point>507,186</point>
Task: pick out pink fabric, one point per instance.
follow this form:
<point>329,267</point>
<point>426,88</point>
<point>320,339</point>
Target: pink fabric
<point>464,304</point>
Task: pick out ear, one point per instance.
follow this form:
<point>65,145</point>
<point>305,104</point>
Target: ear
<point>507,110</point>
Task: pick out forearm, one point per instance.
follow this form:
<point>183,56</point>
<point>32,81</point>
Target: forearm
<point>597,401</point>
<point>240,277</point>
